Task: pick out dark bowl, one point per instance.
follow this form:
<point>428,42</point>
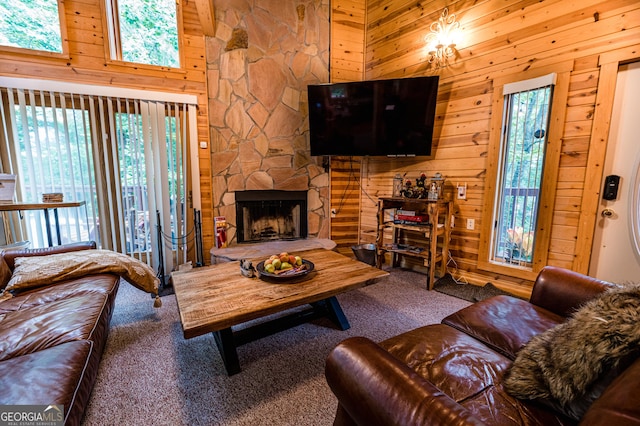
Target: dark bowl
<point>284,276</point>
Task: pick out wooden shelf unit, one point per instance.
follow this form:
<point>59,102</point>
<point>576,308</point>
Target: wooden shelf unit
<point>432,247</point>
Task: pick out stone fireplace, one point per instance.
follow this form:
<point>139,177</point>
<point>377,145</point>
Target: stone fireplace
<point>268,215</point>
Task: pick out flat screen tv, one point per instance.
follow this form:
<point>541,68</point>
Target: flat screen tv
<point>376,118</point>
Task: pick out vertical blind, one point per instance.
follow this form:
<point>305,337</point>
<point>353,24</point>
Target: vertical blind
<point>126,157</point>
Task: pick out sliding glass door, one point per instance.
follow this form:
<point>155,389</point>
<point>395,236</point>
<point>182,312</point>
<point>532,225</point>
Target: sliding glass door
<point>124,157</point>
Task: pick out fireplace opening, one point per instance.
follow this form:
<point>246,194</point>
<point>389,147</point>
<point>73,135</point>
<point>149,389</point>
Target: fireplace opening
<point>271,215</point>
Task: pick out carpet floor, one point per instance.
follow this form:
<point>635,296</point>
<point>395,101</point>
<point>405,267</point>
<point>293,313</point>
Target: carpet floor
<point>151,375</point>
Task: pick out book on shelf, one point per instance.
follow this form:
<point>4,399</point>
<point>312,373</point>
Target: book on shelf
<point>413,218</point>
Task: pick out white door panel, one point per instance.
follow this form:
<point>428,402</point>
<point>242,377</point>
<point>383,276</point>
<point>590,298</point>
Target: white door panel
<point>615,254</point>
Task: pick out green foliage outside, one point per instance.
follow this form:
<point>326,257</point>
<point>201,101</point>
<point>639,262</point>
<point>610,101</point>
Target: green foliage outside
<point>148,29</point>
<point>30,24</point>
<point>522,172</point>
<point>149,32</point>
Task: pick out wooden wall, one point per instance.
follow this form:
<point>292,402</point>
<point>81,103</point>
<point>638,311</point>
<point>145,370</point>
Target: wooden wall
<point>501,40</point>
<point>346,64</point>
<point>87,62</point>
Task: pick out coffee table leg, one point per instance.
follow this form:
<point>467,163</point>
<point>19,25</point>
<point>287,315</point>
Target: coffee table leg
<point>227,349</point>
<point>336,314</point>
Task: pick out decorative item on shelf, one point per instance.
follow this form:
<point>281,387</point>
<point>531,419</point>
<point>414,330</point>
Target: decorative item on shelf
<point>441,40</point>
<point>420,189</point>
<point>397,186</point>
<point>436,187</point>
<point>7,187</point>
<point>52,197</point>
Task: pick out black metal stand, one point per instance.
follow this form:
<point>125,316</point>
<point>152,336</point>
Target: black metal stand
<point>197,224</point>
<point>166,287</point>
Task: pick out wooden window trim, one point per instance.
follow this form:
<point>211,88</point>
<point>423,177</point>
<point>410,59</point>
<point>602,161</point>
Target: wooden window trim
<point>43,53</point>
<point>549,177</point>
<point>113,45</point>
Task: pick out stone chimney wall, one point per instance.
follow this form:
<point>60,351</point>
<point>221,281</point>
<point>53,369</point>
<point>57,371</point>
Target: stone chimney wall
<point>263,56</point>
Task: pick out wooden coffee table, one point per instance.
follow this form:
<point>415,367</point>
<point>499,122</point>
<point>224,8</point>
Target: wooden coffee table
<point>212,299</point>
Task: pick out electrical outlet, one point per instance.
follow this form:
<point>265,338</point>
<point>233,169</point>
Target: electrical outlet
<point>471,224</point>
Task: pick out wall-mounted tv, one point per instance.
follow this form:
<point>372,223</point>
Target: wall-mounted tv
<point>377,118</point>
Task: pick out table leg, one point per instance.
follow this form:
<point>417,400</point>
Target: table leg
<point>228,341</point>
<point>335,313</point>
<point>227,349</point>
<point>48,225</point>
<point>55,215</point>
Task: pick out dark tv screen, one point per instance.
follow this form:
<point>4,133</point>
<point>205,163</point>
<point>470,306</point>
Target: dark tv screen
<point>377,118</point>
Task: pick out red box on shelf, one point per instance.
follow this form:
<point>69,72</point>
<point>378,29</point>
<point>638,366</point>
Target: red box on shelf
<point>417,218</point>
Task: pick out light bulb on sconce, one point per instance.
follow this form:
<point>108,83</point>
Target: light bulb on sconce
<point>441,40</point>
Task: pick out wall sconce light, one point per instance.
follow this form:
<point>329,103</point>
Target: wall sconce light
<point>441,39</point>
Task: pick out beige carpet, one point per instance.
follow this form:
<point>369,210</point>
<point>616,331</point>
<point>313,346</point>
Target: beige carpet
<point>151,375</point>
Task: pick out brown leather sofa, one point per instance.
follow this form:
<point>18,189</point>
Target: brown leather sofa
<point>452,373</point>
<point>52,337</point>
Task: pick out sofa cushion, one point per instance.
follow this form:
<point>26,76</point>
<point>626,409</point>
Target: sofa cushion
<point>105,284</point>
<point>467,371</point>
<point>570,365</point>
<point>39,327</point>
<point>454,362</point>
<point>503,323</point>
<point>50,376</point>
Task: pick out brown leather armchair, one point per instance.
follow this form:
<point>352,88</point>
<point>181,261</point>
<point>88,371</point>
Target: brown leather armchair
<point>452,373</point>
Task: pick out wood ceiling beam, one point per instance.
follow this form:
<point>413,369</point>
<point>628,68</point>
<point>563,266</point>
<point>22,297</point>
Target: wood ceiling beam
<point>207,15</point>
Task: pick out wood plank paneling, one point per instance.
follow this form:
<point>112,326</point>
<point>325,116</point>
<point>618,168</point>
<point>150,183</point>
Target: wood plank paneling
<point>502,38</point>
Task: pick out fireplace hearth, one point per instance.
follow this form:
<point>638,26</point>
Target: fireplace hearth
<point>271,215</point>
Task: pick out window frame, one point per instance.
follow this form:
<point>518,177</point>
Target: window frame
<point>112,37</point>
<point>63,38</point>
<point>550,172</point>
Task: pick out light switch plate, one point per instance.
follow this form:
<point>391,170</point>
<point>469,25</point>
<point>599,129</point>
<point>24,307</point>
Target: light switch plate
<point>462,192</point>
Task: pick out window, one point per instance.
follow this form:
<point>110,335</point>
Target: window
<point>144,31</point>
<point>522,172</point>
<point>32,24</point>
<point>526,121</point>
<point>125,157</point>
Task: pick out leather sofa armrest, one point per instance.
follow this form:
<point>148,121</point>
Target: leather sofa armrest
<point>10,256</point>
<point>374,388</point>
<point>562,291</point>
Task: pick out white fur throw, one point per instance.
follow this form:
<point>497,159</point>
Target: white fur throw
<point>570,365</point>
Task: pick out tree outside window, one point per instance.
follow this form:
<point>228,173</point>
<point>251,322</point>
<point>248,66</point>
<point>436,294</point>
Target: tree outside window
<point>31,24</point>
<point>522,161</point>
<point>144,31</point>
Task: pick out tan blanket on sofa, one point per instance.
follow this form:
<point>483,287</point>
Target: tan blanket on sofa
<point>37,271</point>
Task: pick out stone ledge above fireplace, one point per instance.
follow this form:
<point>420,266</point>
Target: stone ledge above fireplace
<point>259,250</point>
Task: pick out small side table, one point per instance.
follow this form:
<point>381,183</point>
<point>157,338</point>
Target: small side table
<point>45,207</point>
